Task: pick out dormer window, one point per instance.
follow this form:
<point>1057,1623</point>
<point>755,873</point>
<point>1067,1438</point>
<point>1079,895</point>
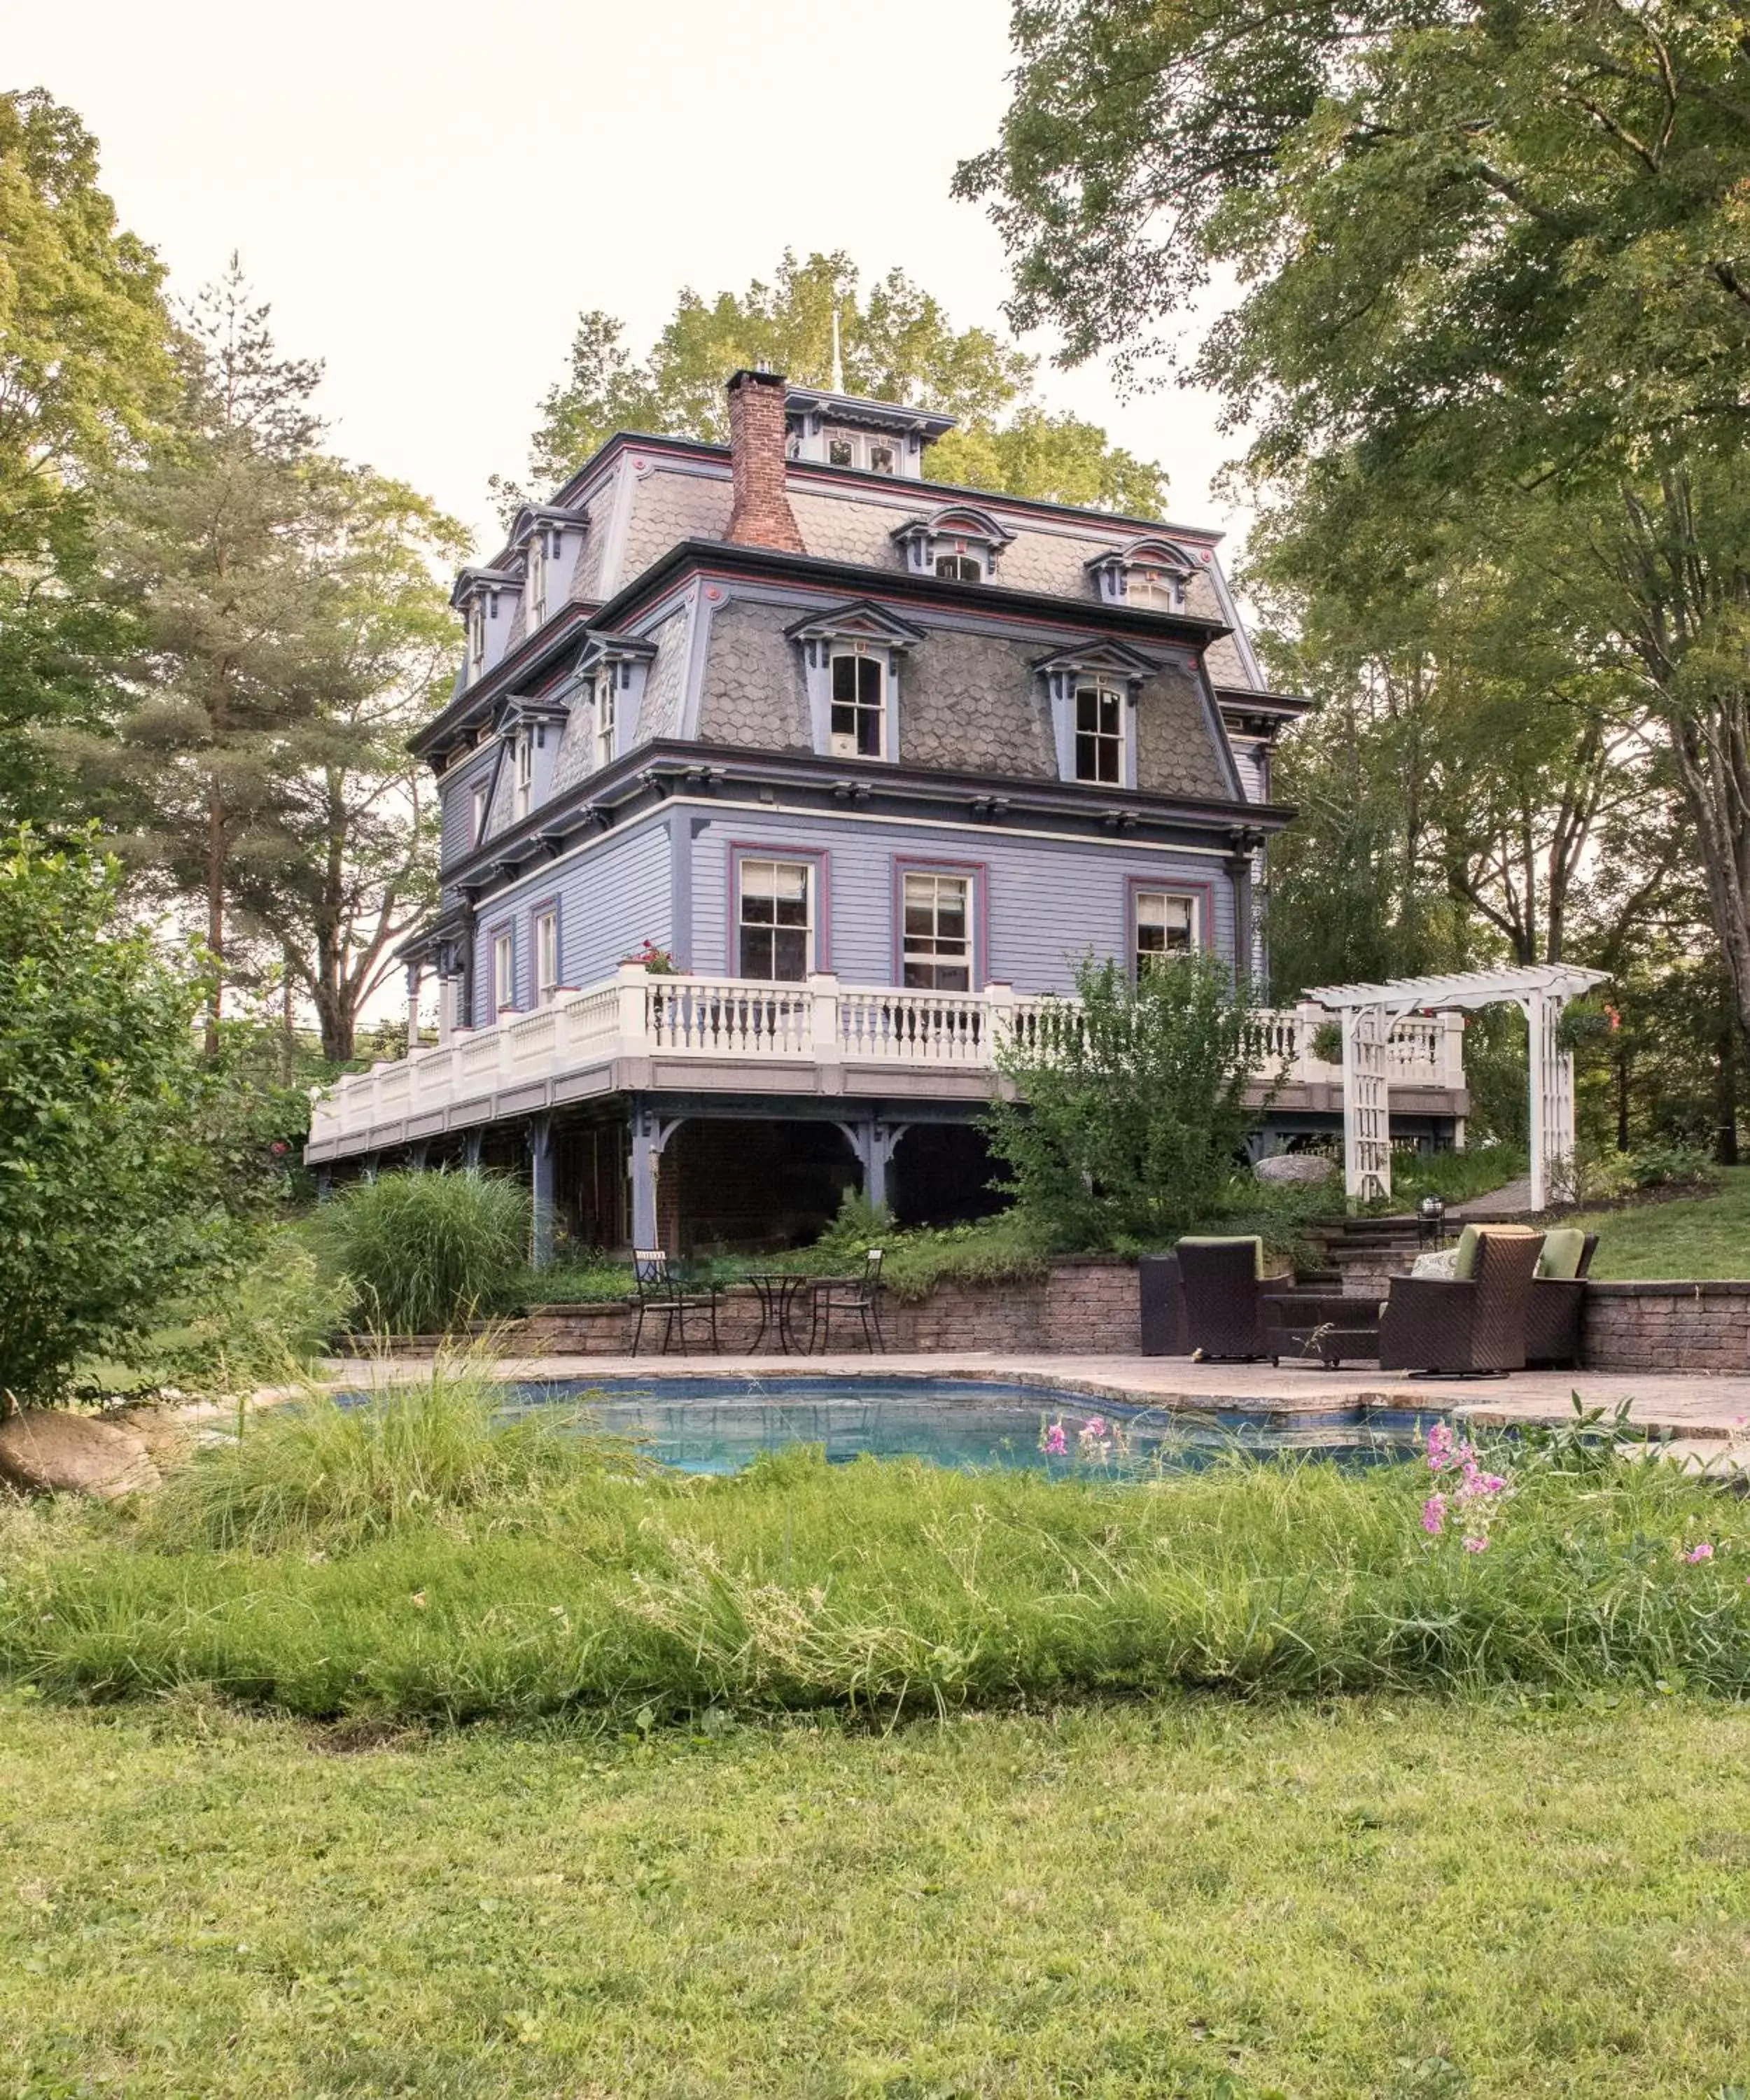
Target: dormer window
<point>874,452</point>
<point>1099,734</point>
<point>478,598</point>
<point>959,544</point>
<point>883,458</point>
<point>477,637</point>
<point>525,780</point>
<point>535,582</point>
<point>608,717</point>
<point>851,659</point>
<point>859,704</point>
<point>1149,575</point>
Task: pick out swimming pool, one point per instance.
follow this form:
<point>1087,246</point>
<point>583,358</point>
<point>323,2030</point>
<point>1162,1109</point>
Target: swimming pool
<point>719,1425</point>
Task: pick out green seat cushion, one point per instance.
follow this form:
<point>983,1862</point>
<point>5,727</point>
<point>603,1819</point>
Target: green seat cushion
<point>1562,1253</point>
<point>1231,1239</point>
<point>1466,1267</point>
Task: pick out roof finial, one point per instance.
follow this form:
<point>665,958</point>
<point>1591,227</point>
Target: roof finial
<point>838,355</point>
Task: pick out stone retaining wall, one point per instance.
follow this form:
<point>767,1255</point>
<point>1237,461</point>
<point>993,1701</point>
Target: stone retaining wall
<point>1667,1327</point>
<point>1091,1307</point>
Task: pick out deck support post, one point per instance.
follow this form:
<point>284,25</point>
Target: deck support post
<point>874,1143</point>
<point>471,1149</point>
<point>641,1165</point>
<point>540,1190</point>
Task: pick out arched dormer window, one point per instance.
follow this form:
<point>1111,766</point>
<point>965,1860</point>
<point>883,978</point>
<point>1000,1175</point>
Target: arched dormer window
<point>851,659</point>
<point>1149,574</point>
<point>960,543</point>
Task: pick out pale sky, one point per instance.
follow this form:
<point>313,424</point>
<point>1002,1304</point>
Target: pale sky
<point>428,196</point>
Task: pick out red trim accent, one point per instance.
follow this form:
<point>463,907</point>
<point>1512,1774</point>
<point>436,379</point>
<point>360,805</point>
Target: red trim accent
<point>819,858</point>
<point>905,864</point>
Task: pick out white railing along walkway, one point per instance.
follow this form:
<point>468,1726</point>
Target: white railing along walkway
<point>722,1020</point>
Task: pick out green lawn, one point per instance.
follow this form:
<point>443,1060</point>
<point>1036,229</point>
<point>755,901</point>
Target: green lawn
<point>1200,1898</point>
<point>1690,1237</point>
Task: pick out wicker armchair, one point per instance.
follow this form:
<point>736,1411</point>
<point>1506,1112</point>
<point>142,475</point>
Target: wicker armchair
<point>1224,1299</point>
<point>1463,1327</point>
<point>1553,1313</point>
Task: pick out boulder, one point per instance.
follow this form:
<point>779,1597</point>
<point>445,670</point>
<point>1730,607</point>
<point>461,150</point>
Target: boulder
<point>1303,1167</point>
<point>46,1452</point>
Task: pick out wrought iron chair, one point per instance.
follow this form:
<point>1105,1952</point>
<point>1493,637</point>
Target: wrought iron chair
<point>860,1294</point>
<point>1467,1325</point>
<point>660,1292</point>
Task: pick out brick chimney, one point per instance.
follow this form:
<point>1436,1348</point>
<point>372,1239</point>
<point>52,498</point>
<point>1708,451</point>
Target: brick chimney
<point>762,516</point>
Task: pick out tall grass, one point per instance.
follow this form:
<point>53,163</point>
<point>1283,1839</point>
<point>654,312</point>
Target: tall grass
<point>427,1252</point>
<point>417,1558</point>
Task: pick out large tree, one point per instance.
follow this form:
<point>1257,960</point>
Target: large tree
<point>896,344</point>
<point>293,631</point>
<point>1492,259</point>
<point>83,374</point>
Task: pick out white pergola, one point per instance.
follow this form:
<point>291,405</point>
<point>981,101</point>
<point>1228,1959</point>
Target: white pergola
<point>1367,1011</point>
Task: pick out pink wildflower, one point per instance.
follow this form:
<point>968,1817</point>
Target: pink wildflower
<point>1703,1551</point>
<point>1440,1447</point>
<point>1433,1514</point>
<point>1492,1483</point>
<point>1095,1426</point>
<point>1055,1444</point>
<point>1475,1544</point>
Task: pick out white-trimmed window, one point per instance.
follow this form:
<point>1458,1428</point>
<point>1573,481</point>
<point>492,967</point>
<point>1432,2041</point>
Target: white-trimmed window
<point>525,762</point>
<point>841,450</point>
<point>776,914</point>
<point>960,564</point>
<point>1154,589</point>
<point>534,581</point>
<point>859,705</point>
<point>883,456</point>
<point>479,801</point>
<point>608,717</point>
<point>477,634</point>
<point>504,970</point>
<point>546,954</point>
<point>938,932</point>
<point>1099,734</point>
<point>1166,926</point>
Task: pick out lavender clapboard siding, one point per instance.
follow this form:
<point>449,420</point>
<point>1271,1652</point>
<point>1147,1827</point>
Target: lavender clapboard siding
<point>455,795</point>
<point>611,898</point>
<point>1045,902</point>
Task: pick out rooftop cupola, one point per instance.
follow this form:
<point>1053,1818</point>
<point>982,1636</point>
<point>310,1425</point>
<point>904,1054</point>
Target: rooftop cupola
<point>877,437</point>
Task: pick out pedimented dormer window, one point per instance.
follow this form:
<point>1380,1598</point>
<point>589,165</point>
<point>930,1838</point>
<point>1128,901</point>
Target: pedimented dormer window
<point>851,662</point>
<point>1094,690</point>
<point>1149,574</point>
<point>960,544</point>
<point>548,538</point>
<point>486,599</point>
<point>610,673</point>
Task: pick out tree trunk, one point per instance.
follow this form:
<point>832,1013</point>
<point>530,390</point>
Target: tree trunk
<point>215,911</point>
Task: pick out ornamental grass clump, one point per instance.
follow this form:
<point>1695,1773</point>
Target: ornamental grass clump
<point>428,1252</point>
<point>420,1556</point>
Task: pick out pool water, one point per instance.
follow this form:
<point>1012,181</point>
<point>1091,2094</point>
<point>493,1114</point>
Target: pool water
<point>719,1425</point>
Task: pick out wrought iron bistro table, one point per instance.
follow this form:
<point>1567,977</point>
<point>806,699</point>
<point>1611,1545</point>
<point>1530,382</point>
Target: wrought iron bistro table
<point>778,1291</point>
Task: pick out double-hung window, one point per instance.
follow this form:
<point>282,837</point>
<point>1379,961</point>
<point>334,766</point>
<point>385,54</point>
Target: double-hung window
<point>960,567</point>
<point>525,796</point>
<point>1166,926</point>
<point>546,954</point>
<point>504,970</point>
<point>1155,590</point>
<point>535,582</point>
<point>938,932</point>
<point>477,636</point>
<point>479,802</point>
<point>1099,734</point>
<point>859,707</point>
<point>776,913</point>
<point>608,717</point>
<point>883,458</point>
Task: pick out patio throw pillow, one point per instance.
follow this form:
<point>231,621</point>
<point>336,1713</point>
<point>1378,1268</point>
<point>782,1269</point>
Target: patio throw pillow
<point>1562,1253</point>
<point>1466,1267</point>
<point>1440,1263</point>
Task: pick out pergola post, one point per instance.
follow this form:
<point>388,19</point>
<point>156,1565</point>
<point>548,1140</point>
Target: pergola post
<point>1366,1103</point>
<point>1551,1073</point>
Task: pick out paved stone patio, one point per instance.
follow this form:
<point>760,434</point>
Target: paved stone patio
<point>1695,1407</point>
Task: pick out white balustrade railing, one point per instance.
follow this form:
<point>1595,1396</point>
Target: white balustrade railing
<point>637,1014</point>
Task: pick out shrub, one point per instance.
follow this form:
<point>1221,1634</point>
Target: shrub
<point>1132,1109</point>
<point>1672,1166</point>
<point>108,1201</point>
<point>263,1319</point>
<point>426,1252</point>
